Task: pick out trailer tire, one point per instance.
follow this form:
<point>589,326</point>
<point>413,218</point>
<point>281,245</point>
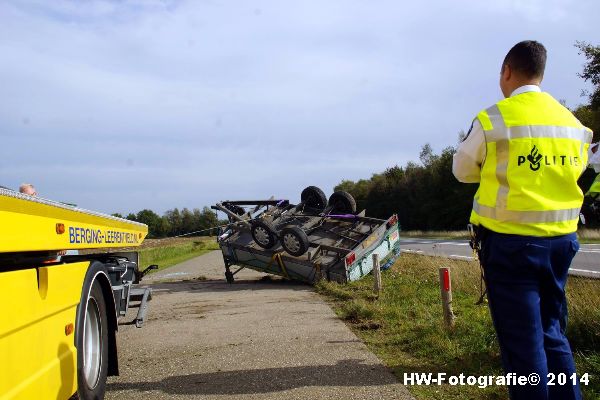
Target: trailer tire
<point>342,202</point>
<point>92,343</point>
<point>237,210</point>
<point>263,234</point>
<point>314,197</point>
<point>294,240</point>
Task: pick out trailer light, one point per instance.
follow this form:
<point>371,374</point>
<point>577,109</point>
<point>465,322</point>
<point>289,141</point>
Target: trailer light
<point>60,229</point>
<point>69,328</point>
<point>350,258</point>
<point>392,221</point>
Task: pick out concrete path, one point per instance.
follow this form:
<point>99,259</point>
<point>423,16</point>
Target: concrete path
<point>255,339</point>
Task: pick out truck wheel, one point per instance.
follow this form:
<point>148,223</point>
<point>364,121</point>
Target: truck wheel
<point>314,197</point>
<point>294,240</point>
<point>342,202</point>
<point>92,345</point>
<point>262,233</point>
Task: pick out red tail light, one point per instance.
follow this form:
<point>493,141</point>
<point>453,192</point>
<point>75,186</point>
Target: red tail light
<point>392,221</point>
<point>350,258</point>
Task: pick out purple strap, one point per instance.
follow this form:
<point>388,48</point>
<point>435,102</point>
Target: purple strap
<point>350,216</point>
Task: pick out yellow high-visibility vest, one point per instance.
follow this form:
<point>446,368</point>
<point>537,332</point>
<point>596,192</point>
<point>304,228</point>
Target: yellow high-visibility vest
<point>595,188</point>
<point>535,152</point>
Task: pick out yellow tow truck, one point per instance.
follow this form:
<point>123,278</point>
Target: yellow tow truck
<point>58,313</point>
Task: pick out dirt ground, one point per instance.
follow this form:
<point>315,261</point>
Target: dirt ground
<point>255,339</point>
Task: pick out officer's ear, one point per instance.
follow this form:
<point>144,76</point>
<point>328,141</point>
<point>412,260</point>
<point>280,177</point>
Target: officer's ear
<point>505,73</point>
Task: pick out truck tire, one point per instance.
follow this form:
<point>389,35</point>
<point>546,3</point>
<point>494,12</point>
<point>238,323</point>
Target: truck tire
<point>342,203</point>
<point>314,197</point>
<point>263,234</point>
<point>294,240</point>
<point>92,344</point>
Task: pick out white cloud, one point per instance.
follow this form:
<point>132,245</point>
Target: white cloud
<point>137,98</point>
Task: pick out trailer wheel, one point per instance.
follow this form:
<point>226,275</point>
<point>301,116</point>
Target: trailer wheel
<point>263,234</point>
<point>294,240</point>
<point>314,197</point>
<point>92,345</point>
<point>342,202</point>
<point>237,210</point>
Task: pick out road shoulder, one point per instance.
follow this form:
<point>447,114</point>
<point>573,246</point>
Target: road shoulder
<point>258,338</point>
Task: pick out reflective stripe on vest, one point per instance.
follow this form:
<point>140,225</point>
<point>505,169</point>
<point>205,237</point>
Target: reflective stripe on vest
<point>555,155</point>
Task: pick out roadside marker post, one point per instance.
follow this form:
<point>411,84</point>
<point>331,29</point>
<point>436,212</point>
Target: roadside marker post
<point>376,275</point>
<point>446,291</point>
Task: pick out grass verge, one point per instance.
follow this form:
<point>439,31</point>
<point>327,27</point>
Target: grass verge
<point>404,325</point>
<point>589,235</point>
<point>450,235</point>
<point>166,253</point>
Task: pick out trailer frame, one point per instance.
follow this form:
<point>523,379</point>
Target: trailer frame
<point>340,245</point>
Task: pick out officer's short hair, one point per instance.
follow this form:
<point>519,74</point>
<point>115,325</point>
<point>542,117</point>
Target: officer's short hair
<point>527,58</point>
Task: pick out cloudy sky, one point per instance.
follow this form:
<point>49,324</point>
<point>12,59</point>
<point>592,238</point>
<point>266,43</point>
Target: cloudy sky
<point>123,105</point>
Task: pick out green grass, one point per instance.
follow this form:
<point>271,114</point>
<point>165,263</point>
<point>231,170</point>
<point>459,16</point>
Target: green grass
<point>589,235</point>
<point>404,326</point>
<point>166,254</point>
<point>451,235</point>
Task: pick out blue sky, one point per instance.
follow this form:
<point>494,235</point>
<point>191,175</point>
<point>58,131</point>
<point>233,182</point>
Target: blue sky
<point>123,105</point>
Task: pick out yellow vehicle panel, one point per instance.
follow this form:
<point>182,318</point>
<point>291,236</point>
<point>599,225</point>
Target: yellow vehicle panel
<point>38,359</point>
<point>35,224</point>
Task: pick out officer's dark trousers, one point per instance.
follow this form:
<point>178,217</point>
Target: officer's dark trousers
<point>525,278</point>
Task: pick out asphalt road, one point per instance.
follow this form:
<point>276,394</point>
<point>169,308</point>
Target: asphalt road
<point>260,338</point>
<point>586,262</point>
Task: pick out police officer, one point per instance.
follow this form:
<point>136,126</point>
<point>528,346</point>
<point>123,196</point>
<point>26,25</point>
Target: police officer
<point>527,152</point>
<point>594,190</point>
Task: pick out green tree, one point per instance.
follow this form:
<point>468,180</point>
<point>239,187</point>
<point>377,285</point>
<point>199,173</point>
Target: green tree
<point>153,221</point>
<point>425,196</point>
<point>591,70</point>
<point>165,226</point>
<point>589,114</point>
<point>426,155</point>
<point>175,222</point>
<point>187,221</point>
<point>204,220</point>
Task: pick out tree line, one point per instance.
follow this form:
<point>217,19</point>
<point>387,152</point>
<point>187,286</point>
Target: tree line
<point>427,196</point>
<point>174,222</point>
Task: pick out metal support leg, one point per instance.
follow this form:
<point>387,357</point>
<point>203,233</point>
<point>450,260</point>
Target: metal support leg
<point>141,315</point>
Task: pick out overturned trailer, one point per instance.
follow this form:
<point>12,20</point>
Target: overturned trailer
<point>315,239</point>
